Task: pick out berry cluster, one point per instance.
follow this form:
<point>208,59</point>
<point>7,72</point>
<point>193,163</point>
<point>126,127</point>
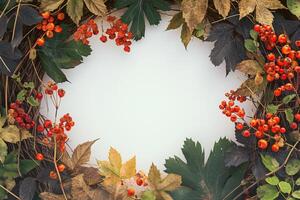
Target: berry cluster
<point>137,185</point>
<point>286,87</point>
<point>52,88</point>
<point>18,115</point>
<point>85,31</point>
<point>49,26</point>
<point>118,31</point>
<point>266,35</point>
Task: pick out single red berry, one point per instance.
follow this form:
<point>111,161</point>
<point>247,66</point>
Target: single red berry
<point>39,156</point>
<point>256,28</point>
<point>61,167</point>
<point>282,130</point>
<point>40,128</point>
<point>282,38</point>
<point>60,16</point>
<point>40,42</point>
<point>286,49</point>
<point>297,117</point>
<point>275,148</point>
<point>103,38</point>
<point>239,126</point>
<point>246,133</point>
<point>262,144</point>
<point>130,192</point>
<point>61,93</point>
<point>46,15</point>
<point>127,49</point>
<point>139,181</point>
<point>39,96</point>
<point>297,43</point>
<point>47,123</point>
<point>294,125</point>
<point>271,57</point>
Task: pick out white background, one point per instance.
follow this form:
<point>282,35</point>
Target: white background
<point>147,102</point>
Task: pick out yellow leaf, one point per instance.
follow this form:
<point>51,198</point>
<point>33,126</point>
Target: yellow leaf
<point>13,134</point>
<point>115,158</point>
<point>128,169</point>
<point>154,176</point>
<point>223,7</point>
<point>75,10</point>
<point>246,7</point>
<point>96,6</point>
<point>186,35</point>
<point>50,5</point>
<point>170,183</point>
<point>194,11</point>
<point>263,15</point>
<point>250,67</point>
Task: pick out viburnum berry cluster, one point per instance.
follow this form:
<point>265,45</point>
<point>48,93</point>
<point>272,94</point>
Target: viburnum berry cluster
<point>50,25</point>
<point>85,31</point>
<point>281,68</point>
<point>118,31</point>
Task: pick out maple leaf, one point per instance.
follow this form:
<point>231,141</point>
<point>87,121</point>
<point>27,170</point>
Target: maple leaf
<point>194,11</point>
<point>114,171</point>
<point>136,11</point>
<point>262,9</point>
<point>163,185</point>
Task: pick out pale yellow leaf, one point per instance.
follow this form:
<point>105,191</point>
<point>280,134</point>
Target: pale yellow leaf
<point>170,183</point>
<point>82,153</point>
<point>13,134</point>
<point>250,67</point>
<point>193,11</point>
<point>75,10</point>
<point>263,15</point>
<point>97,7</point>
<point>165,196</point>
<point>271,4</point>
<point>128,169</point>
<point>115,158</point>
<point>50,5</point>
<point>154,176</point>
<point>246,7</point>
<point>223,7</point>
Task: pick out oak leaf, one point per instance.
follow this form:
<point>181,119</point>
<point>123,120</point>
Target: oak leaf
<point>263,7</point>
<point>223,7</point>
<point>194,11</point>
<point>114,171</point>
<point>96,7</point>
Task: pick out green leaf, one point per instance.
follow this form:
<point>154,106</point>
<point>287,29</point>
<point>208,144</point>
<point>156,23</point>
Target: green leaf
<point>285,187</point>
<point>297,181</point>
<point>289,115</point>
<point>75,10</point>
<point>32,101</point>
<point>294,7</point>
<point>271,108</point>
<point>267,192</point>
<point>269,162</point>
<point>250,45</point>
<point>28,85</point>
<point>137,10</point>
<point>21,95</point>
<point>296,194</point>
<point>292,167</point>
<point>148,195</point>
<point>216,180</point>
<point>288,98</point>
<point>272,180</point>
<point>253,34</point>
<point>27,165</point>
<point>3,150</point>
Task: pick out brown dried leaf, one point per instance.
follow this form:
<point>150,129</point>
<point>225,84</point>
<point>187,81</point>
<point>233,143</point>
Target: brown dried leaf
<point>170,183</point>
<point>246,7</point>
<point>154,176</point>
<point>186,35</point>
<point>51,196</point>
<point>263,15</point>
<point>176,21</point>
<point>50,5</point>
<point>82,153</point>
<point>75,10</point>
<point>194,11</point>
<point>223,7</point>
<point>250,67</point>
<point>259,79</point>
<point>96,6</point>
<point>91,175</point>
<point>249,88</point>
<point>66,159</point>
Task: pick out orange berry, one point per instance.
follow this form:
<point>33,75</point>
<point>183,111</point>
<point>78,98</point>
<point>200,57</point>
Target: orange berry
<point>246,133</point>
<point>233,118</point>
<point>58,29</point>
<point>53,175</point>
<point>253,122</point>
<point>259,134</point>
<point>39,156</point>
<point>49,34</point>
<point>262,144</point>
<point>282,38</point>
<point>46,15</point>
<point>239,126</point>
<point>270,78</point>
<point>51,19</point>
<point>277,92</point>
<point>130,192</point>
<point>286,49</point>
<point>275,147</point>
<point>60,16</point>
<point>61,167</point>
<point>139,181</point>
<point>40,42</point>
<point>50,26</point>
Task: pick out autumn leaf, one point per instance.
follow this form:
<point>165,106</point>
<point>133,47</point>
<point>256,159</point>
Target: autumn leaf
<point>250,88</point>
<point>162,186</point>
<point>263,7</point>
<point>75,10</point>
<point>250,67</point>
<point>82,153</point>
<point>194,11</point>
<point>176,21</point>
<point>186,35</point>
<point>114,171</point>
<point>223,7</point>
<point>96,7</point>
<point>50,5</point>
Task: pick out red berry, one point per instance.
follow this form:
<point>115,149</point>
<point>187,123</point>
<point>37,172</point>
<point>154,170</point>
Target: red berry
<point>259,134</point>
<point>297,43</point>
<point>246,133</point>
<point>40,42</point>
<point>271,57</point>
<point>275,147</point>
<point>61,93</point>
<point>103,38</point>
<point>40,128</point>
<point>47,124</point>
<point>297,117</point>
<point>282,130</point>
<point>262,144</point>
<point>61,167</point>
<point>239,126</point>
<point>130,192</point>
<point>282,39</point>
<point>286,49</point>
<point>127,49</point>
<point>293,125</point>
<point>39,96</point>
<point>39,156</point>
<point>277,92</point>
<point>139,181</point>
<point>60,16</point>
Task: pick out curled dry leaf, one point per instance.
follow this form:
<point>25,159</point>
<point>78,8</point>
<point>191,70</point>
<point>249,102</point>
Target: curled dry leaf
<point>194,11</point>
<point>263,7</point>
<point>96,7</point>
<point>223,7</point>
<point>250,67</point>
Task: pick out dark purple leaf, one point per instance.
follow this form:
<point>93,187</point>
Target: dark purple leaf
<point>3,25</point>
<point>9,58</point>
<point>29,15</point>
<point>18,36</point>
<point>28,188</point>
<point>258,169</point>
<point>236,156</point>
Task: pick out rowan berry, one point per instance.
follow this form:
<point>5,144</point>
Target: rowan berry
<point>246,133</point>
<point>282,39</point>
<point>39,156</point>
<point>262,144</point>
<point>239,126</point>
<point>61,16</point>
<point>275,148</point>
<point>293,125</point>
<point>40,42</point>
<point>61,93</point>
<point>61,167</point>
<point>53,175</point>
<point>40,128</point>
<point>46,15</point>
<point>286,49</point>
<point>130,192</point>
<point>103,38</point>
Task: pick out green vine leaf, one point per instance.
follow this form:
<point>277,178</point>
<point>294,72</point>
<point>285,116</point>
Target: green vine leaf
<point>272,180</point>
<point>251,45</point>
<point>296,194</point>
<point>289,115</point>
<point>292,167</point>
<point>136,11</point>
<point>287,99</point>
<point>267,192</point>
<point>297,181</point>
<point>294,7</point>
<point>271,108</point>
<point>269,162</point>
<point>285,187</point>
